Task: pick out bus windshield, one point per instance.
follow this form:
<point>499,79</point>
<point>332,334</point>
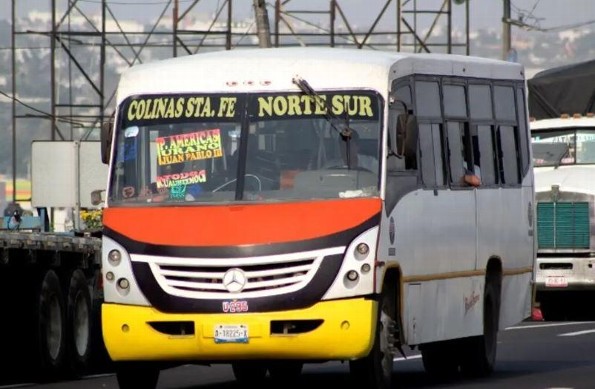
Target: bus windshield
<point>563,147</point>
<point>247,147</point>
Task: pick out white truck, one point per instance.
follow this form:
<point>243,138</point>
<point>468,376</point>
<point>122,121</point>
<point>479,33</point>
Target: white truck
<point>564,167</point>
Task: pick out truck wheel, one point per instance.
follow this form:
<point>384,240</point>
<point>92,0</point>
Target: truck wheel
<point>249,372</point>
<point>79,323</point>
<point>478,354</point>
<point>375,370</point>
<point>50,326</point>
<point>136,376</point>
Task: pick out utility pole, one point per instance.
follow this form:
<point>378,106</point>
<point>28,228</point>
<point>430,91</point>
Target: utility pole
<point>506,30</point>
<point>262,23</point>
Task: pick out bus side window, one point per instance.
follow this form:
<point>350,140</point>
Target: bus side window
<point>485,145</point>
<point>432,163</point>
<point>509,173</point>
<point>455,152</point>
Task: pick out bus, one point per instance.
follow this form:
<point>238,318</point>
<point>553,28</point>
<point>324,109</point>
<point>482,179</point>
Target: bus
<point>270,208</point>
<point>564,164</point>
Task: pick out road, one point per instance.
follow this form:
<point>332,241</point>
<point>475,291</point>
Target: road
<point>532,355</point>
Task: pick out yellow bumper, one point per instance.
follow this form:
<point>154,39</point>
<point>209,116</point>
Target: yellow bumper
<point>346,332</point>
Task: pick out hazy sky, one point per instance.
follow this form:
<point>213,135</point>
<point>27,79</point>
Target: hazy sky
<point>545,14</point>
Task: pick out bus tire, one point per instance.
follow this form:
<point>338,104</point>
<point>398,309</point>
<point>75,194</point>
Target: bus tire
<point>50,326</point>
<point>249,372</point>
<point>136,376</point>
<point>478,354</point>
<point>79,323</point>
<point>375,370</point>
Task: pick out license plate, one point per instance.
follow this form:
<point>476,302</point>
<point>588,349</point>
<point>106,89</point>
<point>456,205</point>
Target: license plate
<point>231,333</point>
<point>556,282</point>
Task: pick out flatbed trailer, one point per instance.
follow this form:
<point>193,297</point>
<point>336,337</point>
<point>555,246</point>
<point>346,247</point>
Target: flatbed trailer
<point>50,298</point>
<point>50,276</point>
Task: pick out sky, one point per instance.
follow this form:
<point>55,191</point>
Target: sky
<point>544,14</point>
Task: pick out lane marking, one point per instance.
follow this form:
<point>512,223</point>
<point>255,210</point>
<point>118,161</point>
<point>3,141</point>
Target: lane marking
<point>577,333</point>
<point>549,325</point>
<point>416,356</point>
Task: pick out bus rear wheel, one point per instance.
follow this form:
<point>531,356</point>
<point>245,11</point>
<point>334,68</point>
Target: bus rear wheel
<point>478,353</point>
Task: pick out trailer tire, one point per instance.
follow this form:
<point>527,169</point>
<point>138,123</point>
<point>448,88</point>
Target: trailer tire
<point>50,326</point>
<point>79,323</point>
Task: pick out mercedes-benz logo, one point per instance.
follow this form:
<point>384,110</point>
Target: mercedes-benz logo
<point>234,280</point>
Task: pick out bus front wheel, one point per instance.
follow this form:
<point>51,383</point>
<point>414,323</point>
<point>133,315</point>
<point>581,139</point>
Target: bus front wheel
<point>375,370</point>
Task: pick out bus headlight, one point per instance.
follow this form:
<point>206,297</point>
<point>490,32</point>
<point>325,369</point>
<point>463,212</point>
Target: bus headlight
<point>114,257</point>
<point>362,249</point>
<point>352,275</point>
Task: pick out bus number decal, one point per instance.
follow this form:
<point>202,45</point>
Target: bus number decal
<point>235,306</point>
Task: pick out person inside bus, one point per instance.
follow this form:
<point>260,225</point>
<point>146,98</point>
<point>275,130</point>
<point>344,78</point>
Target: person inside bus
<point>471,177</point>
<point>354,158</point>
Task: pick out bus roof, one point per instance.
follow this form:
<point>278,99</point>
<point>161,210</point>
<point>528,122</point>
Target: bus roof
<point>566,122</point>
<point>272,69</point>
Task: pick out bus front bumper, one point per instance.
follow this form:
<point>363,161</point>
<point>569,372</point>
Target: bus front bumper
<point>331,330</point>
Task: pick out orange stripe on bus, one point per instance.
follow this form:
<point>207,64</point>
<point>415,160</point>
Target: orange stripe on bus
<point>239,224</point>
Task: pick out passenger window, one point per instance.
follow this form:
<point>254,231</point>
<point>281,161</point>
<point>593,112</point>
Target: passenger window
<point>432,165</point>
<point>455,103</point>
<point>523,136</point>
<point>505,108</point>
<point>485,143</point>
<point>509,174</point>
<point>455,152</point>
<point>427,99</point>
<point>480,102</point>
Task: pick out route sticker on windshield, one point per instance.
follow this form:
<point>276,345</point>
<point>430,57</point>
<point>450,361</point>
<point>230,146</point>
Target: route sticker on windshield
<point>193,146</point>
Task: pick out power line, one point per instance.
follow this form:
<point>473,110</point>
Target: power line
<point>47,115</point>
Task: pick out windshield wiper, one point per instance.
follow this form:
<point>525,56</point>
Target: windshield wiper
<point>328,113</point>
<point>564,154</point>
<point>346,132</point>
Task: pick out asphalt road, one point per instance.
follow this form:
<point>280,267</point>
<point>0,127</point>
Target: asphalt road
<point>532,355</point>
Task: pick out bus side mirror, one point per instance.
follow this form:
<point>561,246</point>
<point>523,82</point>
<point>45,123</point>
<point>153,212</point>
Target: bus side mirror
<point>97,196</point>
<point>406,135</point>
<point>106,140</point>
<point>410,141</point>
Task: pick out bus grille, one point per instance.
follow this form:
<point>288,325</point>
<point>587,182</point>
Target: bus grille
<point>563,225</point>
<point>271,275</point>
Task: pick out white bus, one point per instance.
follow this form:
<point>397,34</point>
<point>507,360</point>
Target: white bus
<point>564,167</point>
<point>269,208</point>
